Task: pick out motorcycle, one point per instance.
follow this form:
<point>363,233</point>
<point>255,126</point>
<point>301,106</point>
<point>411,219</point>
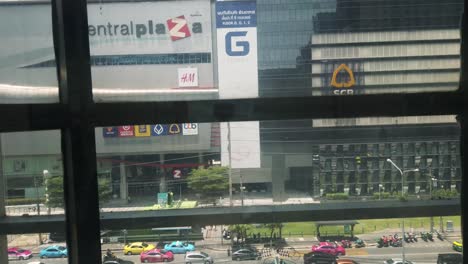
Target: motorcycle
<point>380,242</point>
<point>385,241</point>
<point>413,237</point>
<point>359,243</point>
<point>424,236</point>
<point>407,238</point>
<point>396,242</point>
<point>430,236</point>
<point>439,236</point>
<point>346,243</point>
<point>227,235</point>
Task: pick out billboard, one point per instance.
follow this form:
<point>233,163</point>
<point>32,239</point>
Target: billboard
<point>185,129</point>
<point>134,46</point>
<point>236,29</point>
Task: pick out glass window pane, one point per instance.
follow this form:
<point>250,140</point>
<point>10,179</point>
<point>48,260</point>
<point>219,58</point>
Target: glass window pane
<point>163,166</point>
<point>33,172</point>
<point>27,61</point>
<point>279,49</point>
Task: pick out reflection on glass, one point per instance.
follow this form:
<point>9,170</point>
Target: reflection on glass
<point>197,50</point>
<point>32,172</point>
<point>427,240</point>
<point>191,165</point>
<point>27,60</point>
<point>32,248</point>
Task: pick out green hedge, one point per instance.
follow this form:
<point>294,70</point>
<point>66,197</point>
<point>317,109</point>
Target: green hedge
<point>444,194</point>
<point>23,201</point>
<point>337,196</point>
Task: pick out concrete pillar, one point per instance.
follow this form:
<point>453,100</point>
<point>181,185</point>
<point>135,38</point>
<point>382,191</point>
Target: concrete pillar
<point>123,181</point>
<point>3,238</point>
<point>162,175</point>
<point>278,174</point>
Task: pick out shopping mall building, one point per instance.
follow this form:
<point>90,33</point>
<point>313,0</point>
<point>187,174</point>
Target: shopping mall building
<point>304,48</point>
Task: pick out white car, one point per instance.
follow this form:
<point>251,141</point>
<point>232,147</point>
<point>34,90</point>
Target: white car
<point>198,257</point>
<point>398,261</point>
<point>36,262</point>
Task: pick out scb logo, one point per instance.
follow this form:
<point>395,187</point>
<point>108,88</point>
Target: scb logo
<point>242,47</point>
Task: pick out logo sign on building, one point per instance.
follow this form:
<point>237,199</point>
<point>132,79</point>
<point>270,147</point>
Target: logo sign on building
<point>178,28</point>
<point>190,129</point>
<point>174,129</point>
<point>159,130</point>
<point>188,77</point>
<point>126,131</point>
<point>110,132</point>
<point>236,24</point>
<point>344,86</point>
<point>177,174</point>
<point>236,28</point>
<point>142,131</point>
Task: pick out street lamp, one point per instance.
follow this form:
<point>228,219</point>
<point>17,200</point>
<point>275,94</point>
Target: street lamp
<point>402,172</point>
<point>403,219</point>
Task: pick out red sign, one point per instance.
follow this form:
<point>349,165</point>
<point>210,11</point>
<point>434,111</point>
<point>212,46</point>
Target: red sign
<point>126,131</point>
<point>178,28</point>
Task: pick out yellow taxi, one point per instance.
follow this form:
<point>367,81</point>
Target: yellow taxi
<point>457,246</point>
<point>137,248</point>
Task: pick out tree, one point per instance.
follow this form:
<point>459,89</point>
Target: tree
<point>211,182</point>
<point>272,227</point>
<point>240,231</point>
<point>54,191</point>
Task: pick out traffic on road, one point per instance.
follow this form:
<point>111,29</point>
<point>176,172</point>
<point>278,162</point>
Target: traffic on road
<point>181,252</point>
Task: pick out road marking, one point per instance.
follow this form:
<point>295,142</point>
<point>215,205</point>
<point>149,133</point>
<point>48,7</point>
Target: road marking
<point>356,252</point>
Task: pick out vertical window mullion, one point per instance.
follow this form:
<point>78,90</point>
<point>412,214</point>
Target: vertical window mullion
<point>71,44</point>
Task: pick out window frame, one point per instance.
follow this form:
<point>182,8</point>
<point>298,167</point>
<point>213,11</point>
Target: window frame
<point>76,115</point>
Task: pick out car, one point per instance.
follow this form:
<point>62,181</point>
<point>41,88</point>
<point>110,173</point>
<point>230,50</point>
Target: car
<point>156,255</point>
<point>346,261</point>
<point>36,262</point>
<point>238,246</point>
<point>450,258</point>
<point>245,254</point>
<point>137,248</point>
<point>198,257</point>
<point>329,248</point>
<point>54,252</point>
<point>118,261</point>
<point>398,261</point>
<point>457,246</point>
<point>319,258</point>
<point>178,247</point>
<point>19,254</point>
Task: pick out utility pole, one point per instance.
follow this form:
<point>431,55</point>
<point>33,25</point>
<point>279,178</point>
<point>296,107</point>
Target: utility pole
<point>37,204</point>
<point>402,173</point>
<point>229,156</point>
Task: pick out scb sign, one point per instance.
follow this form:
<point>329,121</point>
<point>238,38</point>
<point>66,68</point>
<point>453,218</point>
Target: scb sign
<point>343,92</point>
<point>235,46</point>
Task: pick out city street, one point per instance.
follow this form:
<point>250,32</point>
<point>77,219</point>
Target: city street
<point>420,253</point>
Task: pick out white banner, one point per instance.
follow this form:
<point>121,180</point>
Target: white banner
<point>236,24</point>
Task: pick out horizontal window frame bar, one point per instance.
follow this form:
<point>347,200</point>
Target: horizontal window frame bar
<point>263,109</point>
<point>343,210</point>
<point>30,117</point>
